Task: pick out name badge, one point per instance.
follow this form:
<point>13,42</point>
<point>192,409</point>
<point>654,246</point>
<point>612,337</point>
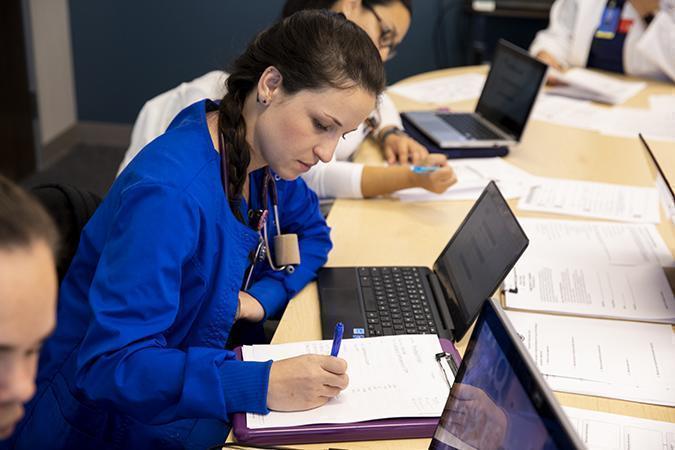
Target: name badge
<point>609,23</point>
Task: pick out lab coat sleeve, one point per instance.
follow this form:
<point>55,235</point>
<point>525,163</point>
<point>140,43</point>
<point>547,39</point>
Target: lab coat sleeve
<point>298,213</point>
<point>389,115</point>
<point>335,179</point>
<point>651,50</point>
<point>124,361</point>
<point>557,38</point>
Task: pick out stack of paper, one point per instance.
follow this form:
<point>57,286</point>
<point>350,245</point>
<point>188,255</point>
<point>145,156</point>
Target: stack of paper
<point>581,288</point>
<point>568,112</point>
<point>589,85</point>
<point>473,174</point>
<point>608,358</point>
<point>604,431</point>
<point>628,122</point>
<point>592,199</point>
<point>442,90</point>
<point>593,269</point>
<point>391,376</point>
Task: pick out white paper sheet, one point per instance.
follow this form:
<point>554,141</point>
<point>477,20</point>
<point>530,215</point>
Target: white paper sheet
<point>473,174</point>
<point>592,199</point>
<point>568,112</point>
<point>442,90</point>
<point>608,358</point>
<point>597,242</point>
<point>590,85</point>
<point>662,103</point>
<point>596,290</point>
<point>628,122</point>
<point>390,376</point>
<point>604,431</point>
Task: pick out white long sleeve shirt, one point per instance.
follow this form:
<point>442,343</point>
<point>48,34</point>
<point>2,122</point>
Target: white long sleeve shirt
<point>338,178</point>
<point>649,51</point>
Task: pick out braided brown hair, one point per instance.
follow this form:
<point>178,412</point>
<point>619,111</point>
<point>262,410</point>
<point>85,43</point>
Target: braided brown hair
<point>312,50</point>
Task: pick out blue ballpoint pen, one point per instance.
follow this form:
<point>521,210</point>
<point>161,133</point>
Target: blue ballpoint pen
<point>423,169</point>
<point>337,338</point>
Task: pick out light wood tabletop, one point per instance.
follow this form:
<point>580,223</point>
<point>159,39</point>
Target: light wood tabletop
<point>386,231</point>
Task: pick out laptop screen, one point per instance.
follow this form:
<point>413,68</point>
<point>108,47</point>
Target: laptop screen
<point>511,88</point>
<point>479,256</point>
<point>498,400</point>
<point>662,184</point>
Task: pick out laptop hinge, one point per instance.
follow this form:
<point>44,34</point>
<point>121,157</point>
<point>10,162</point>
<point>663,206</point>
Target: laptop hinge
<point>441,304</point>
<point>496,128</point>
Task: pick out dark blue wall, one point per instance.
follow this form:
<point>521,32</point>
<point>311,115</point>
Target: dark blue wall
<point>127,51</point>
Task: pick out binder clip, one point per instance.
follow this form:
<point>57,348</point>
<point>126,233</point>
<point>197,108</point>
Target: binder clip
<point>448,367</point>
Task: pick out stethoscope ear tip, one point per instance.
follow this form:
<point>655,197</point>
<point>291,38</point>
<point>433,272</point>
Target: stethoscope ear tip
<point>290,269</point>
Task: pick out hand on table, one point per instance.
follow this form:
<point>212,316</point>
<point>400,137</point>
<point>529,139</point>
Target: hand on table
<point>439,180</point>
<point>401,148</point>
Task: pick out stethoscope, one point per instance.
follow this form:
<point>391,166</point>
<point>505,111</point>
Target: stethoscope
<point>286,249</point>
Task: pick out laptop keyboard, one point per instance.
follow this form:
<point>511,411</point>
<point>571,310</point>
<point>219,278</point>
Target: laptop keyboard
<point>469,126</point>
<point>395,301</point>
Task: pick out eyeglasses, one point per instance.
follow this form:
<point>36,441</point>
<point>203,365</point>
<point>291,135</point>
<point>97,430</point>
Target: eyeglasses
<point>387,38</point>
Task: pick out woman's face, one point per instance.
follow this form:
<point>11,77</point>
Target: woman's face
<point>386,25</point>
<point>294,132</point>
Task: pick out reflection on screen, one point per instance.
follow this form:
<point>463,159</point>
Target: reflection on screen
<point>481,253</point>
<point>511,89</point>
<point>488,407</point>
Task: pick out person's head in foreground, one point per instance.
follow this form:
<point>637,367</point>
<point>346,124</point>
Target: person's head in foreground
<point>28,287</point>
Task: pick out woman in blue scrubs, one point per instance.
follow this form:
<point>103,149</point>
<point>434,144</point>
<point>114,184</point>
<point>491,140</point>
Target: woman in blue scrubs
<point>138,359</point>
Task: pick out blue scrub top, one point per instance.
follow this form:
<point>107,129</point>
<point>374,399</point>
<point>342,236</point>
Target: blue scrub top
<point>146,308</point>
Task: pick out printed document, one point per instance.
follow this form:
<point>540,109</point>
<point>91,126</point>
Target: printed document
<point>473,174</point>
<point>568,112</point>
<point>592,199</point>
<point>601,243</point>
<point>628,122</point>
<point>442,90</point>
<point>604,431</point>
<point>390,376</point>
<point>608,358</point>
<point>599,290</point>
<point>590,85</point>
<point>663,102</point>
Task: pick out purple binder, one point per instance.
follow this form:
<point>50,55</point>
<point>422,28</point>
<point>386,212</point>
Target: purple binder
<point>400,428</point>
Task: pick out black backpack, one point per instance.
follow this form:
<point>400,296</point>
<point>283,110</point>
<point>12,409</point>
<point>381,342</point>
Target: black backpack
<point>70,208</point>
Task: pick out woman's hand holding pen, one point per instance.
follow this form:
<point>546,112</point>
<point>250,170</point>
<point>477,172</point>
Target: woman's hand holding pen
<point>249,308</point>
<point>437,180</point>
<point>305,382</point>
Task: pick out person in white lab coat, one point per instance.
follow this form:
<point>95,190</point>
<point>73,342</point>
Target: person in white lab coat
<point>386,22</point>
<point>635,37</point>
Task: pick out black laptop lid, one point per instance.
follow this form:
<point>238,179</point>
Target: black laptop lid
<point>499,400</point>
<point>511,88</point>
<point>479,256</point>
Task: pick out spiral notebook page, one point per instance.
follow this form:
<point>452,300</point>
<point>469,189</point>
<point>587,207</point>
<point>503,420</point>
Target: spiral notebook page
<point>389,377</point>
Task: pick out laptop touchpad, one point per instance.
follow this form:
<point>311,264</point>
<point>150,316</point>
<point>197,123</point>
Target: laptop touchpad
<point>341,305</point>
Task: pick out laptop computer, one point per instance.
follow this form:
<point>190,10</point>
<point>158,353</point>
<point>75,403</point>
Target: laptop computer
<point>662,184</point>
<point>509,93</point>
<point>498,399</point>
<point>380,301</point>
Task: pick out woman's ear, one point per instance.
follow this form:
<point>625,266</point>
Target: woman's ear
<point>349,8</point>
<point>269,85</point>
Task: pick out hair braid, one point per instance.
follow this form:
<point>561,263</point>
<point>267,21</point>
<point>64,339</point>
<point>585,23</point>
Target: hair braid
<point>232,127</point>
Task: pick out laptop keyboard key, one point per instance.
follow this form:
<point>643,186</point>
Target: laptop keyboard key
<point>369,299</point>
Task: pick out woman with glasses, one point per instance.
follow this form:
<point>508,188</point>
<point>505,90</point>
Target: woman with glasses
<point>162,273</point>
<point>386,22</point>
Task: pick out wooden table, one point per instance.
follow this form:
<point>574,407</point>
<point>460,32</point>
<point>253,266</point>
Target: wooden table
<point>389,232</point>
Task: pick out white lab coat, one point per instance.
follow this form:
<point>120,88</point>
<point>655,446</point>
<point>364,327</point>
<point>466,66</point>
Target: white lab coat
<point>649,51</point>
<point>339,178</point>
